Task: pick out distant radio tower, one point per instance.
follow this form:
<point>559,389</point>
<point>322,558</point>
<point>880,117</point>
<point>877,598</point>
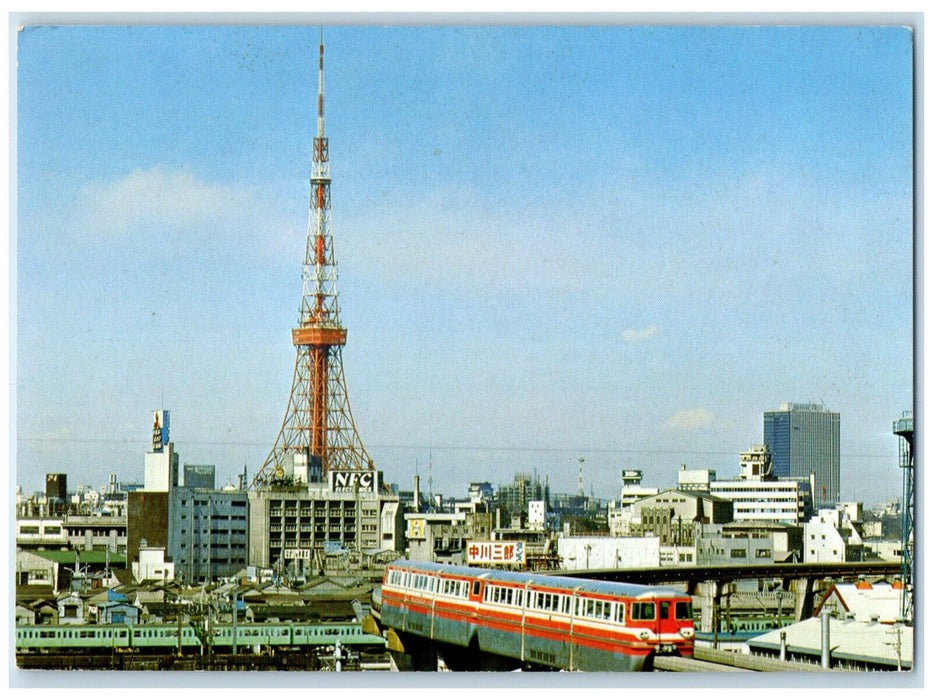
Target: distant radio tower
<point>430,478</point>
<point>318,423</point>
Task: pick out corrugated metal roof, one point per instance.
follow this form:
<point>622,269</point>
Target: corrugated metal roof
<point>870,642</point>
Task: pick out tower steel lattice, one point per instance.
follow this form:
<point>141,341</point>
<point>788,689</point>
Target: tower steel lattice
<point>904,427</point>
<point>318,429</point>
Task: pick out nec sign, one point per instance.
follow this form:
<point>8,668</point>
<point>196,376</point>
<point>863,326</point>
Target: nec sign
<point>342,482</point>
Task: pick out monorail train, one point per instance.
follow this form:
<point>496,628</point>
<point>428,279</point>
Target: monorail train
<point>153,638</point>
<point>550,621</point>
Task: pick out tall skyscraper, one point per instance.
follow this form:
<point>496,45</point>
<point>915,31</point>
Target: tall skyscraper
<point>804,438</point>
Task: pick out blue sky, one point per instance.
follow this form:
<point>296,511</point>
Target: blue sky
<point>617,243</point>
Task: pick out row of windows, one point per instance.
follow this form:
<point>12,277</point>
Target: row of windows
<point>560,603</point>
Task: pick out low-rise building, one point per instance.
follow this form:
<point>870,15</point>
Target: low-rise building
<point>854,645</point>
<point>864,601</point>
<point>695,479</point>
<point>748,542</point>
<point>443,537</point>
<point>673,515</point>
<point>830,536</point>
<point>152,565</point>
<point>585,552</point>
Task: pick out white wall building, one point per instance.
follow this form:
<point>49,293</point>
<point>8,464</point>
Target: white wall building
<point>152,566</point>
<point>829,536</point>
<point>695,479</point>
<point>608,552</point>
<point>536,514</point>
<point>162,469</point>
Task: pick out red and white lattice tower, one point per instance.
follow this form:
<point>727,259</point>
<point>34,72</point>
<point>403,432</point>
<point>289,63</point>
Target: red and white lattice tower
<point>318,429</point>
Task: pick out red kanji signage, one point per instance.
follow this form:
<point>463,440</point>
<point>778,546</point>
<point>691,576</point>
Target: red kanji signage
<point>480,552</point>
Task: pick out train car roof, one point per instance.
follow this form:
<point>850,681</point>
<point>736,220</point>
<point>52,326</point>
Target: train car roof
<point>633,590</point>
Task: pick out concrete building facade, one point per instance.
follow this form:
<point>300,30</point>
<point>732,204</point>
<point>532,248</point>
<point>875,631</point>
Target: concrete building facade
<point>208,533</point>
<point>297,524</point>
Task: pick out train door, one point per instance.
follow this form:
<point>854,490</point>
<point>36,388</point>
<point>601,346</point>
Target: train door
<point>663,622</point>
<point>669,624</point>
<point>476,591</point>
<point>406,586</point>
<point>574,611</point>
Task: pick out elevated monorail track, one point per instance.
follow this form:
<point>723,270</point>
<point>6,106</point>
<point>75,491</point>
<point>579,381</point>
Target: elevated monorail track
<point>666,575</point>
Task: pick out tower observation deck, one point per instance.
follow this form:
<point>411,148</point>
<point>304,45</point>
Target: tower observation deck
<point>318,434</point>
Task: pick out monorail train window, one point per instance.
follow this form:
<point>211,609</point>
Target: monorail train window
<point>487,594</point>
<point>683,610</point>
<point>620,612</point>
<point>665,607</point>
<point>565,605</point>
<point>476,588</point>
<point>519,597</point>
<point>555,602</point>
<point>607,610</point>
<point>643,611</point>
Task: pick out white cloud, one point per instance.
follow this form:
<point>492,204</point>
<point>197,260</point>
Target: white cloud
<point>155,196</point>
<point>638,335</point>
<point>691,419</point>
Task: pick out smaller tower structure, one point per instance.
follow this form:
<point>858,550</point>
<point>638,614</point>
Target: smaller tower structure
<point>904,428</point>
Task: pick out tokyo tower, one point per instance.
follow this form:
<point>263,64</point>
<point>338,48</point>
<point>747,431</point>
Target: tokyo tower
<point>318,430</point>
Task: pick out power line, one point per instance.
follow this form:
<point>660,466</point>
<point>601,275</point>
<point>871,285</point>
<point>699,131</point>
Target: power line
<point>434,446</point>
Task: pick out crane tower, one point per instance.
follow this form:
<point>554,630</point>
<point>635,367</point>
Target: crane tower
<point>318,432</point>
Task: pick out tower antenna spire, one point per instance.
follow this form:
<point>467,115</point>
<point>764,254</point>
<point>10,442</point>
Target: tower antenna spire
<point>318,431</point>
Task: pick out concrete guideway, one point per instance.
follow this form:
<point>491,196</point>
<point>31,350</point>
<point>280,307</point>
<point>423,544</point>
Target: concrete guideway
<point>754,663</point>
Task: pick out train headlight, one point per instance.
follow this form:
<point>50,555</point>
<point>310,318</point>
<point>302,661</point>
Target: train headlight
<point>644,634</point>
<point>686,633</point>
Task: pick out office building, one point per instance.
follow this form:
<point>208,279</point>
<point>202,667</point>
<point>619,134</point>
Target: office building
<point>294,526</point>
<point>760,496</point>
<point>208,533</point>
<point>804,438</point>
